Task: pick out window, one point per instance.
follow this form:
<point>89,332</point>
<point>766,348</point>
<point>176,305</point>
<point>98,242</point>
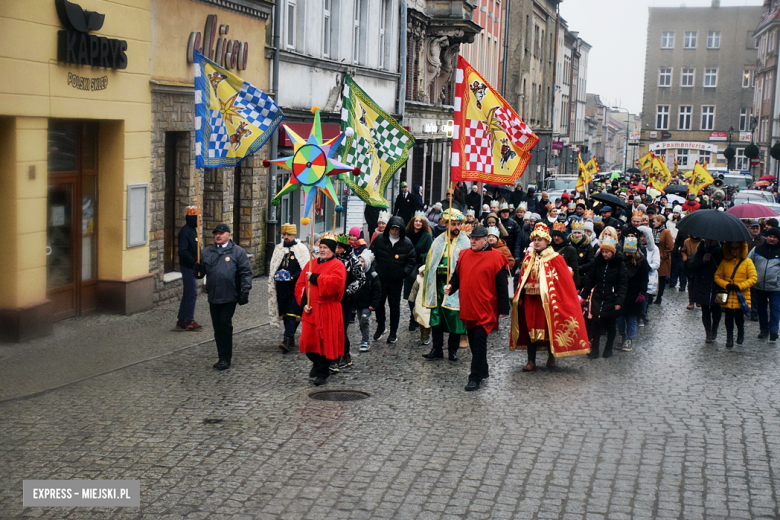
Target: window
<point>382,27</point>
<point>665,77</point>
<point>770,45</point>
<point>710,77</point>
<point>682,157</point>
<point>687,77</point>
<point>746,78</point>
<point>707,117</point>
<point>742,162</point>
<point>744,120</point>
<point>686,113</point>
<point>704,156</point>
<point>667,40</point>
<point>768,91</point>
<point>690,40</point>
<point>326,28</point>
<point>356,32</point>
<point>662,117</point>
<point>291,23</point>
<point>713,40</point>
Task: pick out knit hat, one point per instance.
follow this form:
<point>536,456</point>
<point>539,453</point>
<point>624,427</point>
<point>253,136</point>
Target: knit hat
<point>608,243</point>
<point>773,232</point>
<point>355,231</point>
<point>589,226</point>
<point>289,229</point>
<point>629,245</point>
<point>527,216</point>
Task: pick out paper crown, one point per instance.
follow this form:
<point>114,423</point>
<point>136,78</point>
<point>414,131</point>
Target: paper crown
<point>572,205</point>
<point>504,206</point>
<point>193,210</point>
<point>492,230</point>
<point>523,206</point>
<point>456,215</point>
<point>597,218</point>
<point>419,214</point>
<point>493,203</point>
<point>368,254</point>
<point>330,237</point>
<point>289,229</point>
<point>541,231</point>
<point>637,213</point>
<point>342,239</point>
<point>470,213</point>
<point>511,207</point>
<point>383,215</point>
<point>608,242</point>
<point>577,225</point>
<point>559,226</point>
<point>630,245</point>
<point>588,214</point>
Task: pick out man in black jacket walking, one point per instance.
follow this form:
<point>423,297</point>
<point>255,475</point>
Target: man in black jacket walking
<point>395,259</point>
<point>228,281</point>
<point>404,204</point>
<point>188,257</point>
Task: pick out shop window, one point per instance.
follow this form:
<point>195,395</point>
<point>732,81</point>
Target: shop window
<point>174,209</point>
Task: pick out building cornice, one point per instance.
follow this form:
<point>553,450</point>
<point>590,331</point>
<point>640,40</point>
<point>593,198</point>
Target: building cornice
<point>261,9</point>
<point>350,68</point>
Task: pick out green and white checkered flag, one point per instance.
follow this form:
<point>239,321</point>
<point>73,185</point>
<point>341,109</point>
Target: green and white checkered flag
<point>379,146</point>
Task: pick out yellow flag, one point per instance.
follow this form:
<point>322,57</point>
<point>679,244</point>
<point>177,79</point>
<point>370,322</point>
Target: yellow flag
<point>646,161</point>
<point>700,179</point>
<point>659,176</point>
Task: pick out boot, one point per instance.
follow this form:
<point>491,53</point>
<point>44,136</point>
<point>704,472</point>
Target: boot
<point>412,325</point>
<point>434,354</point>
<point>284,345</point>
<point>740,336</point>
<point>709,337</point>
<point>729,339</point>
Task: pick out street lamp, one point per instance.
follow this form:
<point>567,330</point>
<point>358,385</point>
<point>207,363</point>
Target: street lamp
<point>625,146</point>
<point>731,135</point>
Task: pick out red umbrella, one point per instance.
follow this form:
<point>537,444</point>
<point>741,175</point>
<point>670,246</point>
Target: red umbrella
<point>749,210</point>
<point>767,178</point>
<point>761,183</point>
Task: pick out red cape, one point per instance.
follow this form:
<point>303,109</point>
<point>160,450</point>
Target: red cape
<point>322,330</point>
<point>477,293</point>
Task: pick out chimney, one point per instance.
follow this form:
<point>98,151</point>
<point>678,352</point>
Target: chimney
<point>715,3</point>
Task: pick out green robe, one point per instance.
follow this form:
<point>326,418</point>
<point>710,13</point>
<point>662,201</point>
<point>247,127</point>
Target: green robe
<point>449,318</point>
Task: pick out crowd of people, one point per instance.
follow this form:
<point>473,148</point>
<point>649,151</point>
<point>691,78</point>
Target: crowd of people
<point>572,273</point>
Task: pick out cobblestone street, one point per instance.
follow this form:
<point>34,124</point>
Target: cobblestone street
<point>674,429</point>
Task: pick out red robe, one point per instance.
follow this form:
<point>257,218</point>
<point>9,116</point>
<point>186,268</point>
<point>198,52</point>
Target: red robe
<point>477,287</point>
<point>690,208</point>
<point>548,311</point>
<point>322,330</point>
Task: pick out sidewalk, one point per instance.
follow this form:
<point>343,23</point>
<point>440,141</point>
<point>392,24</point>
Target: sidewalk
<point>88,346</point>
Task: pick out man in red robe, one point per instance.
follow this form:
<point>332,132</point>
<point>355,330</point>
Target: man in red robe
<point>481,276</point>
<point>546,312</point>
<point>319,293</point>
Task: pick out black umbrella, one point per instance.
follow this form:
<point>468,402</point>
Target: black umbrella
<point>634,170</point>
<point>676,188</point>
<point>608,198</point>
<point>714,225</point>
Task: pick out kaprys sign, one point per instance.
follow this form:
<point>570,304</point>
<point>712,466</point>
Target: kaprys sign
<point>76,45</point>
<point>229,54</point>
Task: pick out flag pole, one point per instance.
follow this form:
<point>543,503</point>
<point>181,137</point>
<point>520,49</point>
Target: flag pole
<point>336,205</point>
<point>199,212</point>
<point>311,259</point>
<point>449,236</point>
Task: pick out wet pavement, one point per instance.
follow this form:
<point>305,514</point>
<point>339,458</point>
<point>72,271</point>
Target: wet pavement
<point>674,429</point>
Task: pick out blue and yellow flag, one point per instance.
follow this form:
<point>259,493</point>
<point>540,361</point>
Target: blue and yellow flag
<point>232,118</point>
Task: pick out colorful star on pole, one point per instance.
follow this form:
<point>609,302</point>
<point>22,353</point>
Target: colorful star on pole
<point>312,164</point>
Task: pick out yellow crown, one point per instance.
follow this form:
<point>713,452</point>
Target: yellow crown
<point>638,213</point>
<point>577,225</point>
<point>588,214</point>
<point>559,226</point>
<point>541,231</point>
<point>328,236</point>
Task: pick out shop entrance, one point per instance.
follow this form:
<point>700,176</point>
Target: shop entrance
<point>71,217</point>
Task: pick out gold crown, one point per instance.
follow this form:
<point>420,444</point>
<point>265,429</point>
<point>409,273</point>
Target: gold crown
<point>588,214</point>
<point>456,215</point>
<point>638,213</point>
<point>541,231</point>
<point>559,226</point>
<point>577,225</point>
<point>329,236</point>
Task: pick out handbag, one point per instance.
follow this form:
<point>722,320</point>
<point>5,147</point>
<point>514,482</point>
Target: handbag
<point>722,296</point>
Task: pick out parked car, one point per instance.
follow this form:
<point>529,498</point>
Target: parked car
<point>752,196</point>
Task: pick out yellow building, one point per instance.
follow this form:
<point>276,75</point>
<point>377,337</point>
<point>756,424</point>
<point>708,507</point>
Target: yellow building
<point>80,181</point>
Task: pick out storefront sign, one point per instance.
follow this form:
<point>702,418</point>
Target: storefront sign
<point>634,135</point>
<point>689,145</point>
<point>229,54</point>
<point>75,45</point>
<point>666,135</point>
<point>82,83</point>
<point>557,145</point>
<point>653,135</point>
<point>719,136</point>
<point>745,137</point>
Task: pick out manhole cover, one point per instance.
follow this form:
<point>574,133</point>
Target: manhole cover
<point>339,395</point>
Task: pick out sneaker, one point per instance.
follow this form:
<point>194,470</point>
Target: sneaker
<point>641,323</point>
<point>334,366</point>
<point>345,361</point>
<point>627,346</point>
<point>773,337</point>
<point>619,340</point>
<point>426,341</point>
<point>392,338</point>
<point>378,333</point>
<point>365,347</point>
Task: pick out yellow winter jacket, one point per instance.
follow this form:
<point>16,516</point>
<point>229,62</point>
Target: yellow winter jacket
<point>744,278</point>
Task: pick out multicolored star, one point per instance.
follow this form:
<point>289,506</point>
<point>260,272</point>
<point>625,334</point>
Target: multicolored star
<point>311,164</point>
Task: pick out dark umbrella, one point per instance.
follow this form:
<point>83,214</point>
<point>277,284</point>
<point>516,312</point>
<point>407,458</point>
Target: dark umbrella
<point>748,210</point>
<point>714,225</point>
<point>676,188</point>
<point>634,170</point>
<point>608,198</point>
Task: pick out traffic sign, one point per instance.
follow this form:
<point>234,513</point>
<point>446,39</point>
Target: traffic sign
<point>755,162</point>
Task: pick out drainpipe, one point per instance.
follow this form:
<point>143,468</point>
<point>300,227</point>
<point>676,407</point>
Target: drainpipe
<point>271,238</point>
<point>506,50</point>
<point>555,86</point>
<point>402,62</point>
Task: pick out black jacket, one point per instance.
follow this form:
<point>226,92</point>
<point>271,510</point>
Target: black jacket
<point>585,255</point>
<point>517,197</point>
<point>472,202</point>
<point>188,242</point>
<point>227,271</point>
<point>702,289</point>
<point>370,294</point>
<point>569,254</point>
<point>513,230</point>
<point>394,262</point>
<point>404,206</point>
<point>636,285</point>
<point>609,281</point>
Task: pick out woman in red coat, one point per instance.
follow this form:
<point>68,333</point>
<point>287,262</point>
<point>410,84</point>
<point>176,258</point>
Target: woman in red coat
<point>319,293</point>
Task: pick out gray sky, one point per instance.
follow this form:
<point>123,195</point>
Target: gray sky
<point>617,30</point>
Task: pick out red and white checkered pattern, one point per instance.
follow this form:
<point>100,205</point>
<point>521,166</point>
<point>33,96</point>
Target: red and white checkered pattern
<point>477,151</point>
<point>515,128</point>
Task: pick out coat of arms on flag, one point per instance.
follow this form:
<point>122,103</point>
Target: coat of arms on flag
<point>659,175</point>
<point>700,179</point>
<point>232,118</point>
<point>491,143</point>
<point>646,161</point>
<point>379,146</point>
